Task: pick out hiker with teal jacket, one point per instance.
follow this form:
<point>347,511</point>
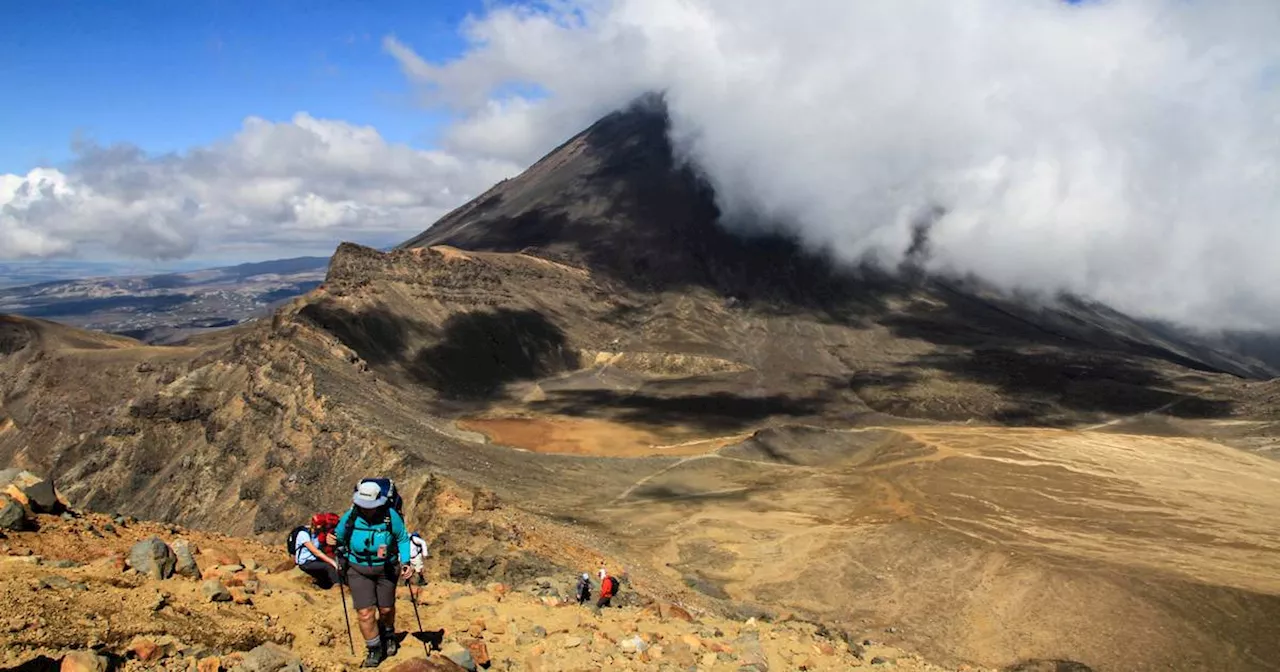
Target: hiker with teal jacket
<point>376,554</point>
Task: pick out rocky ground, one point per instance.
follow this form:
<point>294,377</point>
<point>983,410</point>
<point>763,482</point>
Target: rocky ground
<point>85,591</point>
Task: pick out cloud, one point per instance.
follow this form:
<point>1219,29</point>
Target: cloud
<point>306,182</point>
<point>1126,150</point>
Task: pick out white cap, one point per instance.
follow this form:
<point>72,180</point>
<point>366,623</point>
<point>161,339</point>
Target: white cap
<point>368,496</point>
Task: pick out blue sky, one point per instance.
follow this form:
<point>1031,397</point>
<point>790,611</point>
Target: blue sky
<point>174,74</point>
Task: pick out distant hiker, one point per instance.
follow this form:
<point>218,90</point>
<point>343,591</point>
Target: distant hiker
<point>313,549</point>
<point>418,551</point>
<point>375,548</point>
<point>584,588</point>
<point>608,588</point>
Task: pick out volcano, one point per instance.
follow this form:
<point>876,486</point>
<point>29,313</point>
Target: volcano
<point>741,422</point>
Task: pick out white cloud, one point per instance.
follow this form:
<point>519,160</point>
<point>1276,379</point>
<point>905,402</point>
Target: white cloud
<point>306,182</point>
<point>1128,150</point>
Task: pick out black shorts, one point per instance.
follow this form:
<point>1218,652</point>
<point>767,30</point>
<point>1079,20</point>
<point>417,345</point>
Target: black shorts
<point>324,573</point>
<point>373,586</point>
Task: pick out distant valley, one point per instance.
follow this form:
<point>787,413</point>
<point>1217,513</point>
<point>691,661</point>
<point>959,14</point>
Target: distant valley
<point>168,307</point>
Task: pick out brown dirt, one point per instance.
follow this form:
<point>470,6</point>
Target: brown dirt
<point>585,436</point>
<point>42,620</point>
<point>988,544</point>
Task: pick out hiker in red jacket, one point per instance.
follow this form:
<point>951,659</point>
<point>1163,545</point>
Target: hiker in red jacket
<point>608,588</point>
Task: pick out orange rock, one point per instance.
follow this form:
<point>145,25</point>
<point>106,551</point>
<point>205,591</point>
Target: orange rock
<point>498,628</point>
<point>284,566</point>
<point>693,642</point>
<point>826,649</point>
<point>243,577</point>
<point>210,574</point>
<point>239,596</point>
<point>145,649</point>
<point>118,561</point>
<point>223,556</point>
<point>210,664</point>
<point>83,661</point>
<point>479,652</point>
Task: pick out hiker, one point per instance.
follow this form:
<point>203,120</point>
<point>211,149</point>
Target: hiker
<point>313,549</point>
<point>584,588</point>
<point>376,554</point>
<point>418,551</point>
<point>608,588</point>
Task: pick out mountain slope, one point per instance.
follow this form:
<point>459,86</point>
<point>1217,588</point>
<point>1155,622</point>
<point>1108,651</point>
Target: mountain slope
<point>743,426</point>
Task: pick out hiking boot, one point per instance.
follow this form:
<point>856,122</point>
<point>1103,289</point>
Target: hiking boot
<point>389,641</point>
<point>374,658</point>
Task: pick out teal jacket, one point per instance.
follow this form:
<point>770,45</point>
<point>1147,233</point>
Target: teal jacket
<point>362,549</point>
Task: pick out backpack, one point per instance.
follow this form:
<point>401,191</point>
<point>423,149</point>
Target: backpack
<point>324,522</point>
<point>291,542</point>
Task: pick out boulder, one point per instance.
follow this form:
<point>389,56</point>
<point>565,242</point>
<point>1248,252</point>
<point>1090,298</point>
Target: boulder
<point>633,644</point>
<point>215,591</point>
<point>222,556</point>
<point>459,655</point>
<point>145,650</point>
<point>57,582</point>
<point>36,494</point>
<point>12,516</point>
<point>83,661</point>
<point>186,560</point>
<point>152,557</point>
<point>268,658</point>
<point>750,652</point>
<point>435,664</point>
<point>479,652</point>
<point>670,611</point>
<point>42,498</point>
<point>210,664</point>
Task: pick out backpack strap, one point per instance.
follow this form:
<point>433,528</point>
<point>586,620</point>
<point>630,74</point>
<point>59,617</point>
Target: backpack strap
<point>345,537</point>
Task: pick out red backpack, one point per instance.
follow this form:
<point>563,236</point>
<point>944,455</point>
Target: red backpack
<point>324,524</point>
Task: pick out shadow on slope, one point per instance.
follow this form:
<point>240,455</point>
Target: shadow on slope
<point>1050,386</point>
<point>469,356</point>
<point>710,411</point>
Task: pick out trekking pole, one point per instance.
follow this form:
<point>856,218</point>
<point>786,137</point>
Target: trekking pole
<point>342,579</point>
<point>413,597</point>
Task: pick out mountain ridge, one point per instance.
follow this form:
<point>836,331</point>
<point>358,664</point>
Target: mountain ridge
<point>741,425</point>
